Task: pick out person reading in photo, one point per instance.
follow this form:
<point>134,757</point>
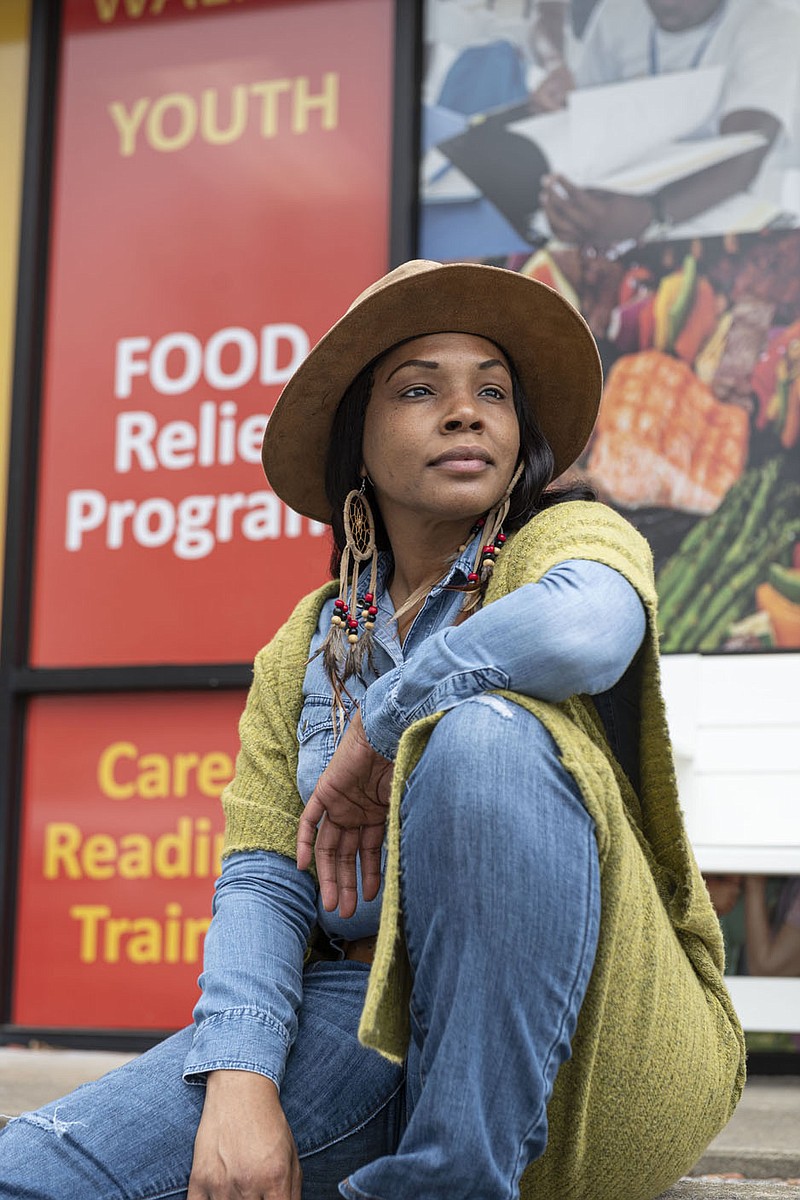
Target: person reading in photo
<point>756,43</point>
<point>460,944</point>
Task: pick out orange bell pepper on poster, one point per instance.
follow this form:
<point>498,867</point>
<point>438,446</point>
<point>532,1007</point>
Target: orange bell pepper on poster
<point>784,616</point>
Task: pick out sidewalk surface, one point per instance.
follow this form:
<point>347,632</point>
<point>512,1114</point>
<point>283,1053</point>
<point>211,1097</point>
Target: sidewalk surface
<point>759,1149</point>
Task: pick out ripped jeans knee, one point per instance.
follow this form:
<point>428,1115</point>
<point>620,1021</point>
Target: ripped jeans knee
<point>52,1123</point>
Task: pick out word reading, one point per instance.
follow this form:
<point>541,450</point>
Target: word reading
<point>191,851</point>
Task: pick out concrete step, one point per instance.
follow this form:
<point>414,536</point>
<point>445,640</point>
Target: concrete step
<point>30,1078</point>
<point>731,1189</point>
<point>762,1138</point>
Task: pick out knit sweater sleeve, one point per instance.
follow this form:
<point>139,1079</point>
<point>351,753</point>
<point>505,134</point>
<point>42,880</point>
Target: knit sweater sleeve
<point>262,805</point>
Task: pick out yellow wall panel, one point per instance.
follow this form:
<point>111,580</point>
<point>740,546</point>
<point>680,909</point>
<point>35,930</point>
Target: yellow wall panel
<point>14,18</point>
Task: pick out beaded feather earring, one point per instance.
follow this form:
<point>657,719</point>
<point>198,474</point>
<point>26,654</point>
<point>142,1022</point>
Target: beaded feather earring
<point>489,546</point>
<point>349,640</point>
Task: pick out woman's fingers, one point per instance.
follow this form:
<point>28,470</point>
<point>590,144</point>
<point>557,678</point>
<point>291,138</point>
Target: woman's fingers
<point>306,831</point>
<point>345,815</point>
<point>346,867</point>
<point>370,848</point>
<point>337,853</point>
<point>325,850</point>
<point>336,856</point>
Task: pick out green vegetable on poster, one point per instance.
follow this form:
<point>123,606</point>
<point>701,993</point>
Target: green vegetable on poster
<point>785,580</point>
<point>710,582</point>
<point>700,550</point>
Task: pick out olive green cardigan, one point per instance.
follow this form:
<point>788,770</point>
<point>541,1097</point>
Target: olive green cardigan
<point>657,1062</point>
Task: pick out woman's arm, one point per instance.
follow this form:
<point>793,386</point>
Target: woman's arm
<point>246,1021</point>
<point>575,631</point>
<point>252,981</point>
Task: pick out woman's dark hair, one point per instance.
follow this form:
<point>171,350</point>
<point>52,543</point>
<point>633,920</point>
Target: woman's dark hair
<point>343,465</point>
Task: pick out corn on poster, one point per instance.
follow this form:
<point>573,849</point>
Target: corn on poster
<point>643,158</point>
<point>221,193</point>
<point>121,839</point>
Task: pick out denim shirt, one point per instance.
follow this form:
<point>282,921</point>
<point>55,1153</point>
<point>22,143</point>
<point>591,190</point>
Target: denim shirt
<point>315,732</point>
<point>575,631</point>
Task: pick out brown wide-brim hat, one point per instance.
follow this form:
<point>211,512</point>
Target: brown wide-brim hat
<point>547,340</point>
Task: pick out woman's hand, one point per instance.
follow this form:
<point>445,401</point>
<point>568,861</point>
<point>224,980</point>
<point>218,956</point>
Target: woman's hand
<point>244,1149</point>
<point>351,800</point>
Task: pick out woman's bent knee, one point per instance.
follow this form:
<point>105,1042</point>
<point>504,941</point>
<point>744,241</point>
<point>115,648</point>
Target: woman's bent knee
<point>490,763</point>
<point>475,731</point>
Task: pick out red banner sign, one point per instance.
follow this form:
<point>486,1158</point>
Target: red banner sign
<point>221,195</point>
<point>121,837</point>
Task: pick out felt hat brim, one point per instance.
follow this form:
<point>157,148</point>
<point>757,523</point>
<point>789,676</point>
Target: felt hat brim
<point>547,340</point>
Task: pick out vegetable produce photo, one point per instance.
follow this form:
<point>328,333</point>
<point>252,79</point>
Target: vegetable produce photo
<point>698,437</point>
<point>733,562</point>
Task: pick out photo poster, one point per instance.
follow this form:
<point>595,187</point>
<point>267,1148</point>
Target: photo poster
<point>613,159</point>
<point>121,838</point>
<point>222,180</point>
<point>760,920</point>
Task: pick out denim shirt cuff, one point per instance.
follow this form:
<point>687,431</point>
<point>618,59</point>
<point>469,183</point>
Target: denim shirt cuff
<point>238,1039</point>
<point>383,723</point>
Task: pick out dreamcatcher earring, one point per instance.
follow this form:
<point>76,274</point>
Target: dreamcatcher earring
<point>490,545</point>
<point>350,636</point>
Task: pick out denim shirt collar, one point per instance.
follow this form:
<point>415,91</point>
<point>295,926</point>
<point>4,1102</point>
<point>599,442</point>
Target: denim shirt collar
<point>456,574</point>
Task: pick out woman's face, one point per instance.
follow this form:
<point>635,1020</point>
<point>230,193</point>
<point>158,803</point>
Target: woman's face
<point>441,436</point>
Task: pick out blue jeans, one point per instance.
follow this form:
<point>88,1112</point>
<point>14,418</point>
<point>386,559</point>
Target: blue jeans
<point>501,906</point>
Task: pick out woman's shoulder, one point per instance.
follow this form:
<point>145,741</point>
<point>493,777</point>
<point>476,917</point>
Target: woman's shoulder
<point>584,522</point>
<point>582,529</point>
